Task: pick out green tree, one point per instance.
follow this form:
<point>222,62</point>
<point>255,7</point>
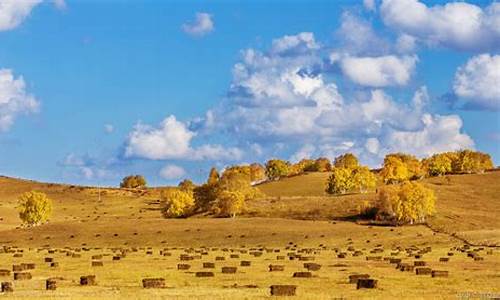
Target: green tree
<point>177,203</point>
<point>34,208</point>
<point>409,202</point>
<point>347,160</point>
<point>276,168</point>
<point>133,182</point>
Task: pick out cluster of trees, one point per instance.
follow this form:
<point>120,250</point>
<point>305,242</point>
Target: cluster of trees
<point>34,208</point>
<point>222,195</point>
<point>133,182</point>
<point>277,168</point>
<point>409,202</point>
<point>399,167</point>
<point>348,176</point>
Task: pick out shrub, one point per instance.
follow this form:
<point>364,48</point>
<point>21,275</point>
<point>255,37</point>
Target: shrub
<point>409,202</point>
<point>276,168</point>
<point>347,160</point>
<point>133,182</point>
<point>34,208</point>
<point>177,203</point>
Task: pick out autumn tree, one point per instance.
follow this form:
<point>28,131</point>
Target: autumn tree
<point>229,203</point>
<point>409,202</point>
<point>347,160</point>
<point>340,181</point>
<point>322,164</point>
<point>133,182</point>
<point>394,170</point>
<point>363,179</point>
<point>257,172</point>
<point>438,164</point>
<point>177,203</point>
<point>413,165</point>
<point>213,176</point>
<point>276,168</point>
<point>34,208</point>
<point>186,185</point>
<point>468,161</point>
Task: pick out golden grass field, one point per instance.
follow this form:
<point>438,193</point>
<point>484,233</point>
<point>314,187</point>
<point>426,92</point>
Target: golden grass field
<point>295,217</point>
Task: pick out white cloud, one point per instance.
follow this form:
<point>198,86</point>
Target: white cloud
<point>370,5</point>
<point>13,12</point>
<point>60,4</point>
<point>478,82</point>
<point>172,172</point>
<point>294,44</point>
<point>305,151</point>
<point>172,140</point>
<point>109,128</point>
<point>455,25</point>
<point>86,167</point>
<point>14,100</point>
<point>202,25</point>
<point>406,43</point>
<point>379,71</point>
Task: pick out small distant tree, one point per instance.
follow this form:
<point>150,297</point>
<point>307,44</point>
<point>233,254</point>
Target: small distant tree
<point>394,170</point>
<point>276,168</point>
<point>34,208</point>
<point>347,160</point>
<point>438,164</point>
<point>340,181</point>
<point>322,164</point>
<point>409,202</point>
<point>213,176</point>
<point>177,203</point>
<point>257,172</point>
<point>229,203</point>
<point>133,182</point>
<point>186,185</point>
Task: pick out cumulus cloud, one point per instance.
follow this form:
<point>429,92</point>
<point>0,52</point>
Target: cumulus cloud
<point>202,25</point>
<point>13,12</point>
<point>172,140</point>
<point>478,82</point>
<point>294,44</point>
<point>14,100</point>
<point>369,5</point>
<point>171,172</point>
<point>86,167</point>
<point>379,71</point>
<point>455,25</point>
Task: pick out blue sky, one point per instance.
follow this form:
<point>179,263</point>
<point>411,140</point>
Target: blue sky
<point>91,91</point>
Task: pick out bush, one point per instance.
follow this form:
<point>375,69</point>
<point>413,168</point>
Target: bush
<point>177,203</point>
<point>276,168</point>
<point>34,208</point>
<point>133,182</point>
<point>409,202</point>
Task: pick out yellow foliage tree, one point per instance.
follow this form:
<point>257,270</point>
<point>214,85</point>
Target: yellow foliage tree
<point>438,164</point>
<point>409,202</point>
<point>394,170</point>
<point>340,181</point>
<point>34,208</point>
<point>177,203</point>
<point>229,203</point>
<point>347,160</point>
<point>276,168</point>
<point>363,179</point>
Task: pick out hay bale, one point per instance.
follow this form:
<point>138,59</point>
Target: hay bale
<point>419,263</point>
<point>423,271</point>
<point>49,259</point>
<point>374,258</point>
<point>394,260</point>
<point>229,270</point>
<point>312,266</point>
<point>245,263</point>
<point>185,257</point>
<point>306,258</point>
<point>153,283</point>
<point>4,272</point>
<point>302,274</point>
<point>97,264</point>
<point>280,257</point>
<point>22,276</point>
<point>205,274</point>
<point>54,264</point>
<point>116,258</point>
<point>88,280</point>
<point>28,266</point>
<point>444,259</point>
<point>50,284</point>
<point>366,283</point>
<point>355,277</point>
<point>183,266</point>
<point>405,267</point>
<point>17,268</point>
<point>436,273</point>
<point>341,255</point>
<point>220,258</point>
<point>276,268</point>
<point>234,256</point>
<point>7,287</point>
<point>208,265</point>
<point>283,290</point>
<point>96,257</point>
<point>477,258</point>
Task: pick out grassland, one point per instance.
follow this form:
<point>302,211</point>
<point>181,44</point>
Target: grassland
<point>294,216</point>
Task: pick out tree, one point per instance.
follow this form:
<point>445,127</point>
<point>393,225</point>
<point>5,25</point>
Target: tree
<point>133,182</point>
<point>467,161</point>
<point>409,202</point>
<point>394,170</point>
<point>34,208</point>
<point>322,164</point>
<point>186,185</point>
<point>347,160</point>
<point>438,164</point>
<point>363,179</point>
<point>229,203</point>
<point>177,203</point>
<point>413,165</point>
<point>204,196</point>
<point>340,181</point>
<point>257,172</point>
<point>276,168</point>
<point>213,176</point>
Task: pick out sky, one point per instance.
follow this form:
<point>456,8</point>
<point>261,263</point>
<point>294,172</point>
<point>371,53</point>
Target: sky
<point>92,91</point>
